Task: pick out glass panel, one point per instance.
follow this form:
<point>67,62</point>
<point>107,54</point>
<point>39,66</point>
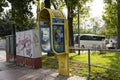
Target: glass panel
<point>45,37</point>
<point>85,37</point>
<point>58,38</point>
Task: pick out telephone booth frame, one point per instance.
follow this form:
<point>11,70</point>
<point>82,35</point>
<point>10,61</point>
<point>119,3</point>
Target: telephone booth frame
<point>53,30</point>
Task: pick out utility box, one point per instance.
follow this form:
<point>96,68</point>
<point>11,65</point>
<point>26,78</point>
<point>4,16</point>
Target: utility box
<point>27,49</point>
<point>10,52</point>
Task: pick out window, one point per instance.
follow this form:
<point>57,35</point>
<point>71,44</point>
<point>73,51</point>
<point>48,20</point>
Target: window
<point>85,37</point>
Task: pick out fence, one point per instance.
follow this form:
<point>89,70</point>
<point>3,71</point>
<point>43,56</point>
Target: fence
<point>89,58</point>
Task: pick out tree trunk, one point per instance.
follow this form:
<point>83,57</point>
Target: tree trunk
<point>13,31</point>
<point>118,24</point>
<point>70,23</point>
<point>70,26</point>
<point>47,3</point>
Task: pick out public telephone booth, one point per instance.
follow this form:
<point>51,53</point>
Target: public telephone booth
<point>53,32</point>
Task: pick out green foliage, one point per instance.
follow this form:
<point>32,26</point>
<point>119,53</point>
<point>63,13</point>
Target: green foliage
<point>110,18</point>
<point>6,24</point>
<point>78,3</point>
<point>20,15</point>
<point>84,14</point>
<point>49,61</point>
<point>3,3</point>
<point>58,4</point>
<point>5,28</point>
<point>82,31</point>
<point>72,12</point>
<point>21,11</point>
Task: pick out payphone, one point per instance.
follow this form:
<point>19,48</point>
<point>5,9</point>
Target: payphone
<point>53,32</point>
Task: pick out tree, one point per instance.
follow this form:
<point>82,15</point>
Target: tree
<point>72,12</point>
<point>47,3</point>
<point>21,11</point>
<point>5,29</point>
<point>112,18</point>
<point>118,24</point>
<point>3,3</point>
<point>5,24</point>
<point>71,9</point>
<point>58,4</point>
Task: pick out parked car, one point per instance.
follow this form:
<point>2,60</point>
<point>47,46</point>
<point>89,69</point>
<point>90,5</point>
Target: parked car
<point>111,43</point>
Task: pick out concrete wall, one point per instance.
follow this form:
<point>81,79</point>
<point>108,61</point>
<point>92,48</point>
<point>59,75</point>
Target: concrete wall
<point>2,44</point>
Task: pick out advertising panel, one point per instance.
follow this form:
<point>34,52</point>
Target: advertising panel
<point>58,38</point>
<point>45,36</point>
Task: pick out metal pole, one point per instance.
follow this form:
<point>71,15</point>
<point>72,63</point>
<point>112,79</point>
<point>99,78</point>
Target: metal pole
<point>13,31</point>
<point>78,30</point>
<point>89,67</point>
<point>38,9</point>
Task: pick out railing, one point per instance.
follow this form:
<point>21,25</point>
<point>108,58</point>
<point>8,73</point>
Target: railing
<point>89,59</point>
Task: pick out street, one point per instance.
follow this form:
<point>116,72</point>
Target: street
<point>10,71</point>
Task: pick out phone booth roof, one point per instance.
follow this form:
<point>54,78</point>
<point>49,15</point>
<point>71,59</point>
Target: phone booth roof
<point>47,14</point>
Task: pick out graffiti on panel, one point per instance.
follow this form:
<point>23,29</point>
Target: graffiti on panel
<point>28,45</point>
<point>24,45</point>
<point>35,38</point>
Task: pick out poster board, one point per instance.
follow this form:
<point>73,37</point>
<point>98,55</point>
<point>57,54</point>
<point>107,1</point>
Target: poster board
<point>58,38</point>
<point>45,36</point>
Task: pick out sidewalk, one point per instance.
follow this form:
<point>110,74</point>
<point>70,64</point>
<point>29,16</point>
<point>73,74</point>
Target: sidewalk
<point>9,71</point>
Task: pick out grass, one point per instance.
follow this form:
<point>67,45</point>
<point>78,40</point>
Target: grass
<point>49,61</point>
<point>98,59</point>
<point>78,64</point>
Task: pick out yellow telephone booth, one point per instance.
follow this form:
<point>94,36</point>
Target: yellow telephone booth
<point>53,29</point>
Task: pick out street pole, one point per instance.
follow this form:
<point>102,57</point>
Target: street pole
<point>89,65</point>
<point>78,30</point>
<point>38,8</point>
<point>13,31</point>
